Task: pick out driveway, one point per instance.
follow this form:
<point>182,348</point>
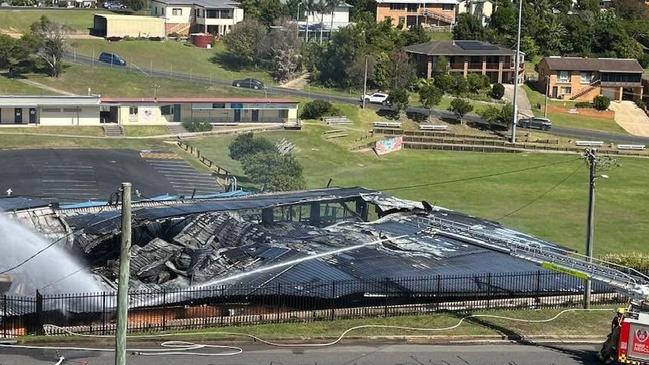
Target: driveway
<point>631,118</point>
<point>524,105</point>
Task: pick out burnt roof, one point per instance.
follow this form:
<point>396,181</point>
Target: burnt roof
<point>459,48</point>
<point>593,64</point>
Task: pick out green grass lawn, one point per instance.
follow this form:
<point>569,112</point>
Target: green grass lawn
<point>589,324</point>
<point>79,20</point>
<point>108,82</point>
<point>76,131</point>
<point>14,87</point>
<point>623,200</point>
<point>569,120</point>
<point>441,36</point>
<point>173,56</point>
<point>145,131</point>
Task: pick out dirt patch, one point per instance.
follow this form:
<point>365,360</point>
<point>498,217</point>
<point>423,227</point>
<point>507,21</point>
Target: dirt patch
<point>586,112</point>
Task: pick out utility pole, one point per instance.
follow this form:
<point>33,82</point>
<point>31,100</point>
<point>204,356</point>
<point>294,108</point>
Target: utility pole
<point>591,160</point>
<point>516,66</point>
<point>365,83</point>
<point>547,91</point>
<point>122,289</point>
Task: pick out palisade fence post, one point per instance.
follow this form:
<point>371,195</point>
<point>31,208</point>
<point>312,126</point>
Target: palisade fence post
<point>277,302</point>
<point>385,291</point>
<point>222,309</point>
<point>4,316</point>
<point>489,291</point>
<point>39,312</point>
<point>439,287</point>
<point>103,313</point>
<point>164,309</point>
<point>333,299</point>
<point>538,288</point>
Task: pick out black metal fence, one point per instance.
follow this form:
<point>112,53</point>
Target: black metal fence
<point>274,302</point>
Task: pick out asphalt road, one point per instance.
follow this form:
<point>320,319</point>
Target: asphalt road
<point>347,355</point>
<point>81,175</point>
<point>581,134</point>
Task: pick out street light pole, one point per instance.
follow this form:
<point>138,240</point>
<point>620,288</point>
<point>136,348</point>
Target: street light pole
<point>516,67</point>
<point>591,159</point>
<point>122,288</point>
<point>547,91</point>
<point>364,83</point>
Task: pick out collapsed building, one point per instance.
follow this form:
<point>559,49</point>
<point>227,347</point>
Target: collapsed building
<point>277,240</point>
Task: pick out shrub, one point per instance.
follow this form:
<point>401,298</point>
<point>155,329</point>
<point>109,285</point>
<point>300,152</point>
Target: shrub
<point>636,260</point>
<point>245,145</point>
<point>583,104</point>
<point>317,109</point>
<point>601,102</point>
<point>197,126</point>
<point>497,91</point>
<point>274,171</point>
<point>641,104</point>
<point>460,108</point>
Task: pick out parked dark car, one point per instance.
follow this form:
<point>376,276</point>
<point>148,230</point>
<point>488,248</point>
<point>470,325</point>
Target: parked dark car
<point>112,58</point>
<point>248,83</point>
<point>535,123</point>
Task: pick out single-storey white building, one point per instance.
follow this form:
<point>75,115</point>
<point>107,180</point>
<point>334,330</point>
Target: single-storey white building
<point>49,110</point>
<point>214,110</point>
<point>94,110</point>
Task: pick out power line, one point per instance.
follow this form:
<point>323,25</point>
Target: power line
<point>542,195</point>
<point>443,182</point>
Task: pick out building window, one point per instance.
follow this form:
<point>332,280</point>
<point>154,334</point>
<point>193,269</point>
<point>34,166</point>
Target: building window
<point>564,76</point>
<point>448,7</point>
<point>397,6</point>
<point>167,110</point>
<point>283,114</point>
<point>132,110</point>
<point>218,106</point>
<point>586,77</point>
<point>566,90</point>
<point>51,110</point>
<point>227,14</point>
<point>413,8</point>
<point>155,10</point>
<point>176,11</point>
<point>402,21</point>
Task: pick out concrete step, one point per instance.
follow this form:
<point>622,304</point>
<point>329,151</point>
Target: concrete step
<point>176,129</point>
<point>113,130</point>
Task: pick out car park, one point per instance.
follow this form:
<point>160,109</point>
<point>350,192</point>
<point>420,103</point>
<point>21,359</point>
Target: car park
<point>249,83</point>
<point>112,59</point>
<point>376,98</point>
<point>535,123</point>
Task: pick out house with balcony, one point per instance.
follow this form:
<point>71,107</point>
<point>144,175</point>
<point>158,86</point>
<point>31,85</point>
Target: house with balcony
<point>216,17</point>
<point>582,79</point>
<point>314,20</point>
<point>465,57</point>
<point>407,13</point>
<point>480,8</point>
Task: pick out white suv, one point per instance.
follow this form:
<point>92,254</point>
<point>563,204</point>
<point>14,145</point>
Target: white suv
<point>376,98</point>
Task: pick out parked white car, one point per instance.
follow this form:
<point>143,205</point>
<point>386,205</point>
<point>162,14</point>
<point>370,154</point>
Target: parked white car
<point>376,98</point>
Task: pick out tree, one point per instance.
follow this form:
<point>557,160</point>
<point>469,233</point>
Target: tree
<point>476,82</point>
<point>345,47</point>
<point>397,71</point>
<point>246,144</point>
<point>460,108</point>
<point>429,95</point>
<point>244,41</point>
<point>601,102</point>
<point>417,34</point>
<point>51,44</point>
<point>504,22</point>
<point>498,118</point>
<point>282,46</point>
<point>331,6</point>
<point>270,11</point>
<point>317,109</point>
<point>497,91</point>
<point>441,66</point>
<point>468,27</point>
<point>399,100</point>
<point>631,10</point>
<point>274,171</point>
<point>529,47</point>
<point>135,5</point>
<point>460,84</point>
<point>8,47</point>
<point>445,82</point>
<point>356,71</point>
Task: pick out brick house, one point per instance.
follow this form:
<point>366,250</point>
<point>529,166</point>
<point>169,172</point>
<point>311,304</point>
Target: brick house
<point>466,57</point>
<point>216,17</point>
<point>583,79</point>
<point>407,13</point>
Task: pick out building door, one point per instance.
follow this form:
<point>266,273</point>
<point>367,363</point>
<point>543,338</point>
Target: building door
<point>18,116</point>
<point>255,115</point>
<point>32,116</point>
<point>237,115</point>
<point>555,91</point>
<point>176,112</point>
